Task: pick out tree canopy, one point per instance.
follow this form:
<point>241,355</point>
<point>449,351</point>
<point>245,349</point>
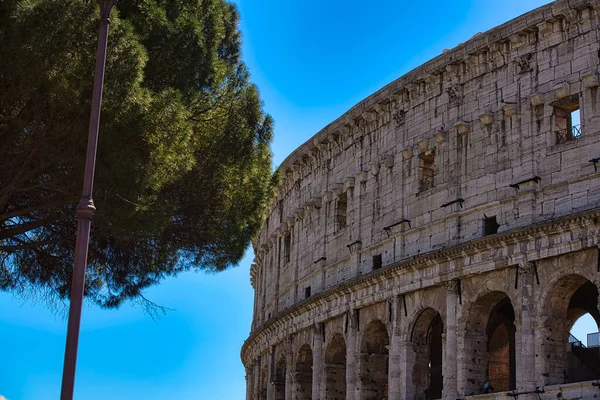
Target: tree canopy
<point>184,162</point>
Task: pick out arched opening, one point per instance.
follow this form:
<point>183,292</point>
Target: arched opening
<point>583,357</point>
<point>490,363</point>
<point>427,370</point>
<point>264,383</point>
<point>568,360</point>
<point>373,367</point>
<point>335,369</point>
<point>584,331</point>
<point>279,382</point>
<point>303,374</point>
<point>501,348</point>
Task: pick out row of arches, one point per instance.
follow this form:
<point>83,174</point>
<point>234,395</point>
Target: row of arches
<point>489,342</point>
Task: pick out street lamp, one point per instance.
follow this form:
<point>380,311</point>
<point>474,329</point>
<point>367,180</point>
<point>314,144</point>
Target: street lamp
<point>85,210</point>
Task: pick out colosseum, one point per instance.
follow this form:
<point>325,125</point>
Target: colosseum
<point>439,239</point>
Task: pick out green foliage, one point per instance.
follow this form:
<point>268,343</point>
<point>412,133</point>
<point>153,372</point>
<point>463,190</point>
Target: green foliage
<point>184,163</point>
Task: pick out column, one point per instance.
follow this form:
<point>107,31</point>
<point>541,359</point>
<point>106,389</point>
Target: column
<point>249,382</point>
<point>271,374</point>
<point>407,358</point>
<point>289,369</point>
<point>317,369</point>
<point>323,377</point>
<point>351,356</point>
<point>525,358</point>
<point>449,363</point>
<point>395,359</point>
<point>256,385</point>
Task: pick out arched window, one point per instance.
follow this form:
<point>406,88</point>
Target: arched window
<point>491,361</point>
<point>279,382</point>
<point>264,383</point>
<point>335,369</point>
<point>373,367</point>
<point>427,370</point>
<point>501,347</point>
<point>583,360</point>
<point>570,298</point>
<point>303,374</point>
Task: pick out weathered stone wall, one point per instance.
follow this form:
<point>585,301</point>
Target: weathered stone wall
<point>459,188</point>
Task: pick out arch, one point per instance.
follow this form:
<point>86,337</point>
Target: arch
<point>500,345</point>
<point>279,381</point>
<point>303,374</point>
<point>490,363</point>
<point>568,298</point>
<point>335,368</point>
<point>373,361</point>
<point>426,337</point>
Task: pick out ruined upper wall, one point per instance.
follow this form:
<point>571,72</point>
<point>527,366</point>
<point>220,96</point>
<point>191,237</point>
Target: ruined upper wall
<point>423,163</point>
<point>483,51</point>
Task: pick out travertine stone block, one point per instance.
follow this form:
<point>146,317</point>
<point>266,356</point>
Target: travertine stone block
<point>462,127</point>
<point>486,118</point>
<point>537,99</point>
<point>561,90</point>
<point>590,80</point>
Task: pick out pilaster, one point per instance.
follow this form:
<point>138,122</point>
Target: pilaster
<point>271,372</point>
<point>249,378</point>
<point>289,368</point>
<point>449,363</point>
<point>317,369</point>
<point>351,357</point>
<point>525,338</point>
<point>395,360</point>
<point>407,361</point>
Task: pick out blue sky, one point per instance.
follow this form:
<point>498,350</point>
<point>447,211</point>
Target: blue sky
<point>312,60</point>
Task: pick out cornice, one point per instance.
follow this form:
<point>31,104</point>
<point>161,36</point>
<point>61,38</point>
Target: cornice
<point>586,218</point>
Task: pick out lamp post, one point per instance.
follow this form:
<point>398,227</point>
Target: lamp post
<point>85,210</point>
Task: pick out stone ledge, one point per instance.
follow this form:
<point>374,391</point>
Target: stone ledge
<point>586,218</point>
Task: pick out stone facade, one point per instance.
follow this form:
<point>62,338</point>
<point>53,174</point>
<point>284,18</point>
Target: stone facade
<point>442,235</point>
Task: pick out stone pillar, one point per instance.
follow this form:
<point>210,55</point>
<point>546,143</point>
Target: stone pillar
<point>248,383</point>
<point>395,359</point>
<point>271,373</point>
<point>323,381</point>
<point>256,384</point>
<point>317,369</point>
<point>407,358</point>
<point>289,369</point>
<point>294,385</point>
<point>351,360</point>
<point>525,358</point>
<point>449,363</point>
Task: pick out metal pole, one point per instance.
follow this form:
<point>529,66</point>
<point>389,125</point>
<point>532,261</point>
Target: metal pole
<point>85,210</point>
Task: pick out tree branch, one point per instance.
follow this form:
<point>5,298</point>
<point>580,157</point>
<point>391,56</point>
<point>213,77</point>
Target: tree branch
<point>25,211</point>
<point>29,245</point>
<point>23,228</point>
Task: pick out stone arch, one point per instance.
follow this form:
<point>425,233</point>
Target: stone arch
<point>417,303</point>
<point>303,374</point>
<point>426,338</point>
<point>566,299</point>
<point>279,379</point>
<point>335,368</point>
<point>373,361</point>
<point>488,354</point>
